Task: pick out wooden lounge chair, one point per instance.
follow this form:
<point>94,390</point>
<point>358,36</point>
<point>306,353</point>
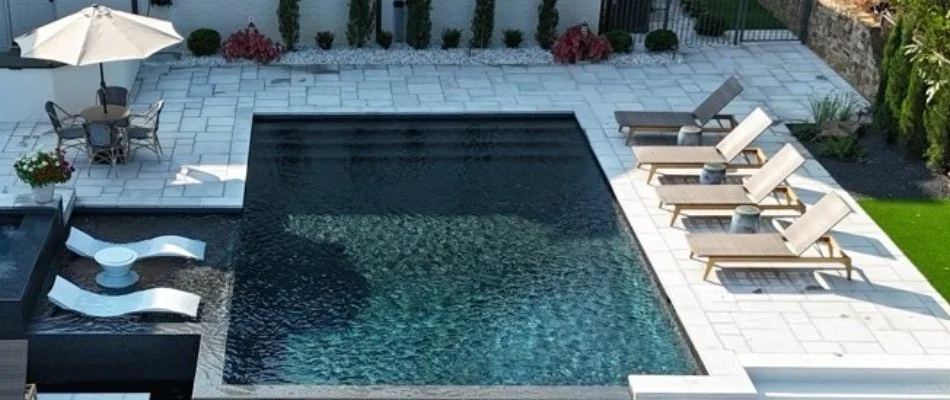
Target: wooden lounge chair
<point>706,115</point>
<point>787,246</point>
<point>736,143</point>
<point>754,189</point>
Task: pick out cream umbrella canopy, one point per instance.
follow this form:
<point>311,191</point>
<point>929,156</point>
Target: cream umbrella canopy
<point>98,34</point>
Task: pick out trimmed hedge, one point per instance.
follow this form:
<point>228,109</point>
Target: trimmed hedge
<point>204,42</point>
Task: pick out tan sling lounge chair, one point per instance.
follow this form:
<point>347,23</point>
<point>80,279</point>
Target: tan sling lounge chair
<point>752,191</point>
<point>733,145</point>
<point>784,247</point>
<point>672,121</point>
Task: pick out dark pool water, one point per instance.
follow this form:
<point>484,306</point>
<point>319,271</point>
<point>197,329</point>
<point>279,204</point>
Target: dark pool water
<point>439,252</point>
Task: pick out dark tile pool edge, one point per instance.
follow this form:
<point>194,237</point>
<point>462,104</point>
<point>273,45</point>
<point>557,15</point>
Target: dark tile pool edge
<point>156,210</point>
<point>514,115</point>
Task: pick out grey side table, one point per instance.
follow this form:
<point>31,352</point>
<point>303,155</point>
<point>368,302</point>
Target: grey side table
<point>745,219</point>
<point>689,135</point>
<point>713,174</point>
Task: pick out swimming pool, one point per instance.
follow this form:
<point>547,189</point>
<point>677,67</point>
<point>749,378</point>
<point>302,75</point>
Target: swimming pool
<point>439,251</point>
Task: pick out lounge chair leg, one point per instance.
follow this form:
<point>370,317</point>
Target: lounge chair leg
<point>709,267</point>
<point>676,213</point>
<point>847,265</point>
<point>652,172</point>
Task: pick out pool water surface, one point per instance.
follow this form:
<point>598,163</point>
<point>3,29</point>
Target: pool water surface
<point>421,251</point>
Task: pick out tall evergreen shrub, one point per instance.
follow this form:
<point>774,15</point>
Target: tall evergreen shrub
<point>483,23</point>
<point>910,128</point>
<point>883,117</point>
<point>359,28</point>
<point>898,77</point>
<point>288,21</point>
<point>548,18</point>
<point>419,24</point>
<point>937,126</point>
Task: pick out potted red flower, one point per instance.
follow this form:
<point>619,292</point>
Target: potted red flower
<point>42,170</point>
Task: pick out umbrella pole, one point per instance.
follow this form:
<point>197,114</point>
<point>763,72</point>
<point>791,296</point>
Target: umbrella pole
<point>102,84</point>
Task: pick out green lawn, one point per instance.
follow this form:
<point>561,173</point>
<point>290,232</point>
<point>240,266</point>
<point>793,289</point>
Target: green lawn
<point>921,229</point>
<point>756,18</point>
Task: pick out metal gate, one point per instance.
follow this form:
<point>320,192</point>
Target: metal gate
<point>699,22</point>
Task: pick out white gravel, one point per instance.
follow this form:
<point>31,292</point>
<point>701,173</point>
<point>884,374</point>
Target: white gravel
<point>400,54</point>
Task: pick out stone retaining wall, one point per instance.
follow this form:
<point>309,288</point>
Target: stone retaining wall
<point>850,42</point>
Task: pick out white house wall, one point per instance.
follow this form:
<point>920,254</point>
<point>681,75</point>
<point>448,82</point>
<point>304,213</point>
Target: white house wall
<point>227,16</point>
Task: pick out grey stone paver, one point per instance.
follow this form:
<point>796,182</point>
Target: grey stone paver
<point>888,309</point>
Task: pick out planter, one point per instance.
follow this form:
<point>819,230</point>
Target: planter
<point>43,194</point>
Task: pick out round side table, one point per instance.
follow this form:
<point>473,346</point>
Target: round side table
<point>745,220</point>
<point>713,174</point>
<point>111,114</point>
<point>116,264</point>
<point>689,135</point>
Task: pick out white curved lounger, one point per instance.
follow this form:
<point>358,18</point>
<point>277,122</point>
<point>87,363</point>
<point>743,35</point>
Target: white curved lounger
<point>68,296</point>
<point>81,243</point>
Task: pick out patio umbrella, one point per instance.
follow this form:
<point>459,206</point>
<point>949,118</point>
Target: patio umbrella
<point>98,34</point>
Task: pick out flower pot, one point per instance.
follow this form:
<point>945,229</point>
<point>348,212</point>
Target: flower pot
<point>43,194</point>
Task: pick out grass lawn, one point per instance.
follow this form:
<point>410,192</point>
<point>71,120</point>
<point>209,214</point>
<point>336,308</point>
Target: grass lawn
<point>921,229</point>
<point>756,18</point>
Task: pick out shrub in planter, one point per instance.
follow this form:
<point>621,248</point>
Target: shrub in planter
<point>910,122</point>
<point>325,39</point>
<point>288,20</point>
<point>204,42</point>
<point>250,44</point>
<point>710,25</point>
<point>547,24</point>
<point>451,38</point>
<point>937,126</point>
<point>620,41</point>
<point>513,38</point>
<point>483,23</point>
<point>360,24</point>
<point>419,24</point>
<point>661,40</point>
<point>43,168</point>
<point>384,39</point>
<point>578,43</point>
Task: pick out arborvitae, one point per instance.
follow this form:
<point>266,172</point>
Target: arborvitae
<point>360,25</point>
<point>910,128</point>
<point>419,24</point>
<point>898,73</point>
<point>547,24</point>
<point>937,125</point>
<point>483,23</point>
<point>883,117</point>
<point>288,19</point>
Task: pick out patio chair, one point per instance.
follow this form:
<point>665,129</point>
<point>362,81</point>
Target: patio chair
<point>113,96</point>
<point>672,121</point>
<point>754,189</point>
<point>66,295</point>
<point>103,142</point>
<point>787,246</point>
<point>81,243</point>
<point>727,150</point>
<point>68,127</point>
<point>143,132</point>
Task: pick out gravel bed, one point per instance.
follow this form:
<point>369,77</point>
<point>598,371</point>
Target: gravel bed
<point>885,173</point>
<point>400,54</point>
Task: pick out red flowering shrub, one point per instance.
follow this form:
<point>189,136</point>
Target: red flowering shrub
<point>578,43</point>
<point>250,44</point>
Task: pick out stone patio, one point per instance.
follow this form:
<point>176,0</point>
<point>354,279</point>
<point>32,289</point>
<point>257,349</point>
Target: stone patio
<point>800,315</point>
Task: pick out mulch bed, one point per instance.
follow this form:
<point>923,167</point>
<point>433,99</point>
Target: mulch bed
<point>885,173</point>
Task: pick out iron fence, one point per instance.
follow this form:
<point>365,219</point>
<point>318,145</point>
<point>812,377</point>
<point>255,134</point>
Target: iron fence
<point>707,22</point>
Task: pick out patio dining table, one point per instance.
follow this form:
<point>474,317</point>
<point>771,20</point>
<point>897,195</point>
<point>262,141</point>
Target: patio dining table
<point>112,114</point>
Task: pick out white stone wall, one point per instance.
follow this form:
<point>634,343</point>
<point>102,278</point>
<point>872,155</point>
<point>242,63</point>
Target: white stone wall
<point>227,16</point>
